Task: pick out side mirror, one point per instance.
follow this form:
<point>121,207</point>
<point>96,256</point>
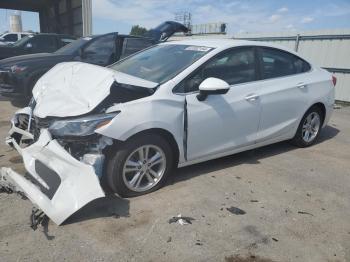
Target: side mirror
<point>212,86</point>
<point>28,46</point>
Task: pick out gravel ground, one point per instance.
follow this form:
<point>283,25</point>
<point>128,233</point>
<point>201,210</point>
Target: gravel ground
<point>296,204</point>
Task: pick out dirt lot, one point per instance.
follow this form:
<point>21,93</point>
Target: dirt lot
<point>297,204</point>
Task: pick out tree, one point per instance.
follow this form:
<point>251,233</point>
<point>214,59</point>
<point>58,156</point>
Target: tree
<point>137,30</point>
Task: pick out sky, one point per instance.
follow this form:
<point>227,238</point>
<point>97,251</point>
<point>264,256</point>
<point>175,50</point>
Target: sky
<point>240,15</point>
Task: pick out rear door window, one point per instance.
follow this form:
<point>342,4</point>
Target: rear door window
<point>278,63</point>
<point>133,45</point>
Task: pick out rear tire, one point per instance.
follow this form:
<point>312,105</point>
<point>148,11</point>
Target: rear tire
<point>309,128</point>
<point>139,166</point>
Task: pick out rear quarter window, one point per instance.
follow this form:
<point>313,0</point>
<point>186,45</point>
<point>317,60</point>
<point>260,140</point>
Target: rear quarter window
<point>278,63</point>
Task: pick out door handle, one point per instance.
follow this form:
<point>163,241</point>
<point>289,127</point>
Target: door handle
<point>251,97</point>
<point>301,85</point>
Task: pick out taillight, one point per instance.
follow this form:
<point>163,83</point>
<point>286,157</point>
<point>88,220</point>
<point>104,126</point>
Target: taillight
<point>334,80</point>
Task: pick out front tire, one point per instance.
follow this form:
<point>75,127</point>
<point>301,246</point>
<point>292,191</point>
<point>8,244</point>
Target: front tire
<point>139,166</point>
<point>309,128</point>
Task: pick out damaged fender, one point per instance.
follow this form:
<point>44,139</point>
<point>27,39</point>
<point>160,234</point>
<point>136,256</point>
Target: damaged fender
<point>57,183</point>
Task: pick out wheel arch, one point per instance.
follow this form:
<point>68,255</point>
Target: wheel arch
<point>168,136</point>
<point>322,107</point>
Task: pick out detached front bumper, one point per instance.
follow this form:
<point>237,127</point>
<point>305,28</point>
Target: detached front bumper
<point>56,182</point>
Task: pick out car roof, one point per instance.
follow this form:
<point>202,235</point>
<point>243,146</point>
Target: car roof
<point>226,43</point>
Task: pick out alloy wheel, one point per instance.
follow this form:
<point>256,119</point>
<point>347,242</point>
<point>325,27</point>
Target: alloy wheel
<point>311,127</point>
<point>144,168</point>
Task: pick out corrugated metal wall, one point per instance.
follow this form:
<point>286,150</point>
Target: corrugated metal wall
<point>329,49</point>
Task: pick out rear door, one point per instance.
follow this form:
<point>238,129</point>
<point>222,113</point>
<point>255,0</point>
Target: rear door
<point>283,92</point>
<point>223,123</point>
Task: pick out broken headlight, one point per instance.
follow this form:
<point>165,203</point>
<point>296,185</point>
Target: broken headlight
<point>83,126</point>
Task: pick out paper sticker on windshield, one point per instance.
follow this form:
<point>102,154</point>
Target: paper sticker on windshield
<point>87,38</point>
<point>198,48</point>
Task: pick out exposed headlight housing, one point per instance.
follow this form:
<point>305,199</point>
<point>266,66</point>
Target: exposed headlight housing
<point>80,127</point>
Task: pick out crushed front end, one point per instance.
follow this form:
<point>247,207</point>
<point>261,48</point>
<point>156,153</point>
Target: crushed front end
<point>63,172</point>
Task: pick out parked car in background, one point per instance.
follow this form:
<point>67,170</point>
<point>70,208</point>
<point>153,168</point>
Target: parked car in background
<point>10,38</point>
<point>171,105</point>
<point>18,75</point>
<point>37,43</point>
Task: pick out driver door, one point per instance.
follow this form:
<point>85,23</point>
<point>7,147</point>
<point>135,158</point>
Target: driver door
<point>223,122</point>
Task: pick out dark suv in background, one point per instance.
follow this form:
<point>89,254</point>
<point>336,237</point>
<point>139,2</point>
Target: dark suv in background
<point>37,43</point>
<point>18,75</point>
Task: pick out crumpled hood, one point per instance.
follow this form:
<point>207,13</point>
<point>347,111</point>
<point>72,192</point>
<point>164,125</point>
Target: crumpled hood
<point>76,88</point>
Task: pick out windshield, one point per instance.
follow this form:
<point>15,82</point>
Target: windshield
<point>73,47</point>
<point>160,63</point>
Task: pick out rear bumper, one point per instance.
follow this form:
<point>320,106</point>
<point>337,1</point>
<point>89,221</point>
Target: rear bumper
<point>329,112</point>
<point>56,182</point>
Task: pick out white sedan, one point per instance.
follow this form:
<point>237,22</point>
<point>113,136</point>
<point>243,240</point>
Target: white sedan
<point>171,105</point>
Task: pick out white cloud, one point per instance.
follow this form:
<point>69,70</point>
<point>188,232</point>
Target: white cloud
<point>290,27</point>
<point>247,16</point>
<point>274,18</point>
<point>307,19</point>
<point>282,10</point>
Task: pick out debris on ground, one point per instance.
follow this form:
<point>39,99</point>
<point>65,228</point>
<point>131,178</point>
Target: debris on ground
<point>308,194</point>
<point>45,225</point>
<point>254,201</point>
<point>199,243</point>
<point>37,217</point>
<point>9,188</point>
<point>305,213</point>
<point>249,258</point>
<point>275,239</point>
<point>181,220</point>
<point>236,210</point>
<point>169,240</point>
